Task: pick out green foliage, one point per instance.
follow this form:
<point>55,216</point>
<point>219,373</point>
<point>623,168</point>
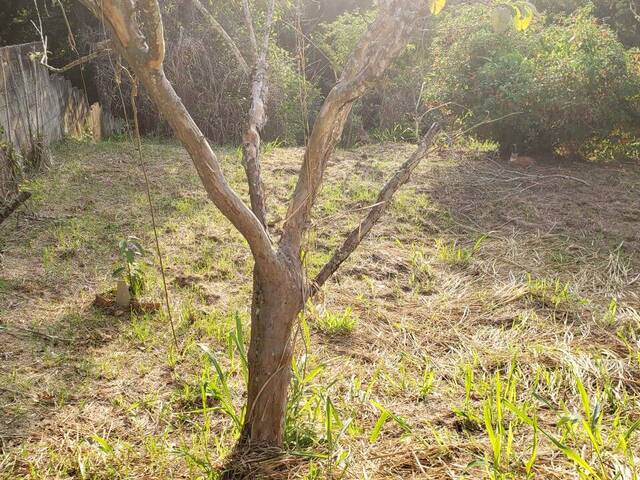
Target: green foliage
<point>337,39</point>
<point>312,420</point>
<point>552,293</point>
<point>453,254</point>
<point>556,88</point>
<point>615,13</point>
<point>336,323</point>
<point>130,269</point>
<point>288,90</point>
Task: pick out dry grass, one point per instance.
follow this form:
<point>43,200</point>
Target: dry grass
<point>478,280</point>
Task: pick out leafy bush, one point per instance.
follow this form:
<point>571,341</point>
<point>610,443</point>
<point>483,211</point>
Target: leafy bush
<point>573,83</point>
<point>337,39</point>
<point>615,13</point>
<point>129,267</point>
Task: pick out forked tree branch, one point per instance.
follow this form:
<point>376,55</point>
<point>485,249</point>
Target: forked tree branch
<point>257,117</point>
<point>120,15</point>
<point>387,36</point>
<point>251,139</point>
<point>216,26</point>
<point>356,236</point>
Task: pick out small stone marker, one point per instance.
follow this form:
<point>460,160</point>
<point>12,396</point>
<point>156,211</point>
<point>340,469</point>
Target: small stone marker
<point>123,296</point>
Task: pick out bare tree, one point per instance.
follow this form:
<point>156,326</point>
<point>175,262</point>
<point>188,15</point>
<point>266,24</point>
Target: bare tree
<point>280,286</point>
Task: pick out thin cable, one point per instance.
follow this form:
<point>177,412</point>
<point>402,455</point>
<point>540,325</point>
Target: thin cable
<point>134,93</point>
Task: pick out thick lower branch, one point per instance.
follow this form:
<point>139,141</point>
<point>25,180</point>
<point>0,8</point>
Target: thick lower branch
<point>154,32</point>
<point>384,197</point>
<point>277,300</point>
<point>378,47</point>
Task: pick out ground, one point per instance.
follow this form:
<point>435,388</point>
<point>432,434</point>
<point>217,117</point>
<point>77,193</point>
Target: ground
<point>488,328</point>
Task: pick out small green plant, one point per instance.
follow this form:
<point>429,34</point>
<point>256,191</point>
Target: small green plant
<point>427,381</point>
<point>421,277</point>
<point>552,293</point>
<point>387,415</point>
<point>130,269</point>
<point>399,133</point>
<point>612,312</point>
<point>270,147</point>
<point>312,420</point>
<point>453,254</point>
<point>500,438</point>
<point>334,323</point>
<point>586,437</point>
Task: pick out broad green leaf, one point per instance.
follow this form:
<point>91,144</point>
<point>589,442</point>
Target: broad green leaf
<point>568,452</point>
<point>103,444</point>
<point>523,17</point>
<point>632,429</point>
<point>238,338</point>
<point>375,433</point>
<point>118,271</point>
<point>584,397</point>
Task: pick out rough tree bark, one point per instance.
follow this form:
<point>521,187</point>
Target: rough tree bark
<point>280,286</point>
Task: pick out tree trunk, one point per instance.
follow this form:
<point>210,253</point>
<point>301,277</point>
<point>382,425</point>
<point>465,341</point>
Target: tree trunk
<point>275,307</point>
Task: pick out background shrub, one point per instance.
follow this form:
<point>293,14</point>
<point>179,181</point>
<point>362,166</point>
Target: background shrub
<point>208,79</point>
<point>615,13</point>
<point>573,82</point>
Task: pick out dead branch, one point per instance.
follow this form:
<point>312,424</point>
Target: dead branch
<point>102,48</point>
<point>356,236</point>
<point>10,207</point>
<point>17,331</point>
<point>533,176</point>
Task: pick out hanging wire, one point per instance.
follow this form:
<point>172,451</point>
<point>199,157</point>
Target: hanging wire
<point>134,94</point>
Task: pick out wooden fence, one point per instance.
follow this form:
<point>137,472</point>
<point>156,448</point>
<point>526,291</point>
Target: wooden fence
<point>38,108</point>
